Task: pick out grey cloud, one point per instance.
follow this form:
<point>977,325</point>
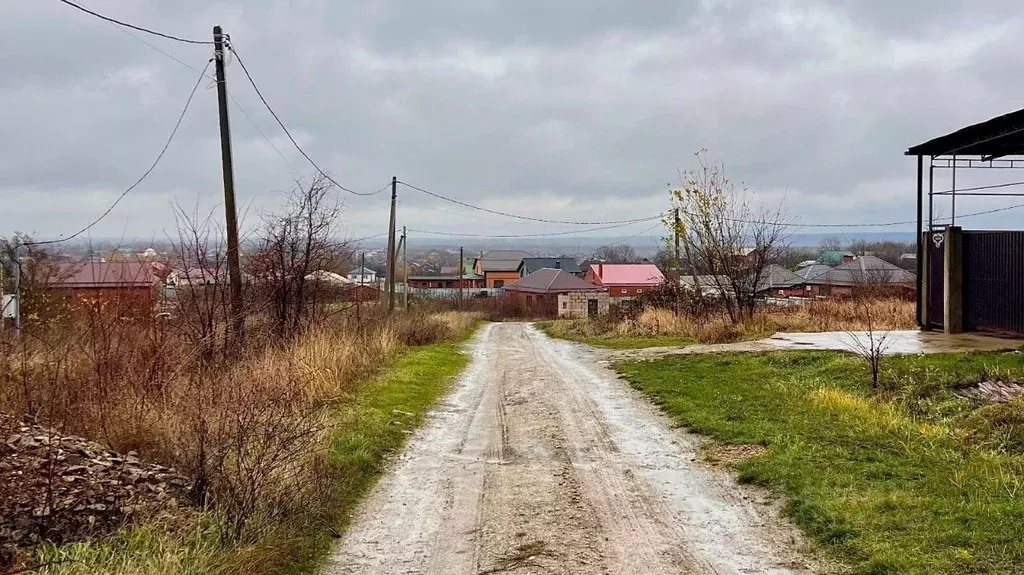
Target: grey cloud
<point>547,108</point>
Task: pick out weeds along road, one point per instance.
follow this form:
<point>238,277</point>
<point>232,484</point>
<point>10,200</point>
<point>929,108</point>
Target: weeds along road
<point>541,460</point>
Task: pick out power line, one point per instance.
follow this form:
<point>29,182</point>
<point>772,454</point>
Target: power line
<point>289,134</point>
<point>988,187</point>
<point>132,26</point>
<point>159,157</point>
<point>238,104</point>
<point>517,216</point>
<point>541,235</point>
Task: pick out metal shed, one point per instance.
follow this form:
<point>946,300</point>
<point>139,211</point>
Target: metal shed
<point>970,279</point>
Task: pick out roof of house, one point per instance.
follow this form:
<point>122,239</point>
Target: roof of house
<point>362,271</point>
<point>549,280</point>
<point>105,275</point>
<point>775,276</point>
<point>997,137</point>
<point>530,265</point>
<point>705,281</point>
<point>865,270</point>
<point>502,260</point>
<point>627,274</point>
<point>812,270</point>
<point>328,277</point>
<point>833,257</point>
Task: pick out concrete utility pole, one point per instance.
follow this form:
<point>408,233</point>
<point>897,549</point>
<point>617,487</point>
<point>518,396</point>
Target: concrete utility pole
<point>359,294</point>
<point>462,272</point>
<point>405,272</point>
<point>678,262</point>
<point>391,246</point>
<point>231,215</point>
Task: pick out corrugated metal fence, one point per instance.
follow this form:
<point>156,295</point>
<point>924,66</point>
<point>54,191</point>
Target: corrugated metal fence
<point>993,281</point>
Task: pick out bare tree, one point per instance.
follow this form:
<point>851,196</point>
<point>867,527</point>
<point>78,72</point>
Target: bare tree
<point>725,235</point>
<point>294,248</point>
<point>831,244</point>
<point>872,343</point>
<point>616,254</point>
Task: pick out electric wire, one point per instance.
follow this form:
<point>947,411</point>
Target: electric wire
<point>145,174</point>
<point>517,216</point>
<point>538,235</point>
<point>288,133</point>
<point>133,26</point>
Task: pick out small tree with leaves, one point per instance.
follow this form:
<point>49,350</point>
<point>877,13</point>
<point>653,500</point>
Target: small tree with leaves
<point>725,235</point>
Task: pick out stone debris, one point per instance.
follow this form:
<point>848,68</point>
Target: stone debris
<point>992,391</point>
<point>63,488</point>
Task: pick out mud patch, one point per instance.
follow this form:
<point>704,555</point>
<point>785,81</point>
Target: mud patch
<point>714,453</point>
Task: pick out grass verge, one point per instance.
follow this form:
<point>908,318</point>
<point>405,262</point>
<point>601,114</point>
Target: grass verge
<point>558,329</point>
<point>371,425</point>
<point>893,482</point>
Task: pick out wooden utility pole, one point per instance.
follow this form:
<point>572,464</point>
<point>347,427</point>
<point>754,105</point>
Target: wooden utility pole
<point>391,246</point>
<point>462,272</point>
<point>405,272</point>
<point>231,215</point>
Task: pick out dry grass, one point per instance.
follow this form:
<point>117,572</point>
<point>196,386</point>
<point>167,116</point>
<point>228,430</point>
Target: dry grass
<point>826,315</point>
<point>251,430</point>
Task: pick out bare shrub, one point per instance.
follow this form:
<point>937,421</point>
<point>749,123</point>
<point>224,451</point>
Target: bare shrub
<point>293,247</point>
<point>726,235</point>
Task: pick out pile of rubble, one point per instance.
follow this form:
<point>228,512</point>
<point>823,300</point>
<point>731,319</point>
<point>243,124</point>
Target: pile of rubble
<point>63,488</point>
<point>992,391</point>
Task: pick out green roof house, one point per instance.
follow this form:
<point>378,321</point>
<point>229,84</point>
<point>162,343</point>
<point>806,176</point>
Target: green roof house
<point>834,258</point>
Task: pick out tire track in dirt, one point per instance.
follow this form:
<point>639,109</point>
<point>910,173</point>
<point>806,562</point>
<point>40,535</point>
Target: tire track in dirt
<point>542,461</point>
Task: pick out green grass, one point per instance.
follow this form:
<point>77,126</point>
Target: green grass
<point>372,427</point>
<point>888,482</point>
<point>613,342</point>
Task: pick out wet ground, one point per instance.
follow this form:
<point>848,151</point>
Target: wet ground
<point>541,460</point>
<point>894,342</point>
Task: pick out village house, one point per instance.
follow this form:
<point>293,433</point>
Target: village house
<point>865,272</point>
<point>447,279</point>
<point>556,292</point>
<point>130,285</point>
<point>362,275</point>
<point>834,258</point>
<point>777,281</point>
<point>499,267</point>
<point>530,265</point>
<point>625,280</point>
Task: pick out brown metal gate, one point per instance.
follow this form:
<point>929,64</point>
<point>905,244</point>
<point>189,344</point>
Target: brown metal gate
<point>935,244</point>
<point>993,281</point>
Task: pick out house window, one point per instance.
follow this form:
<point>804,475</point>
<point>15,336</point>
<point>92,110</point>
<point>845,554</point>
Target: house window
<point>639,290</point>
<point>499,283</point>
<point>624,291</point>
<point>565,304</point>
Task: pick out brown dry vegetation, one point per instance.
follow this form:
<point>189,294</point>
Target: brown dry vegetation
<point>826,315</point>
<point>250,428</point>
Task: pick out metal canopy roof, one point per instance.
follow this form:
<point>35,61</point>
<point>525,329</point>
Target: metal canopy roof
<point>1000,136</point>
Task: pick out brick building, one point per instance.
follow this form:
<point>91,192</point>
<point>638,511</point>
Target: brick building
<point>556,292</point>
<point>625,280</point>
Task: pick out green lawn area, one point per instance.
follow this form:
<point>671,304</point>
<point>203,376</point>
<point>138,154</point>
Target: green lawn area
<point>553,329</point>
<point>908,479</point>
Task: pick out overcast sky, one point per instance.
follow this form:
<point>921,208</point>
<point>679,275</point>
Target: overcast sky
<point>571,110</point>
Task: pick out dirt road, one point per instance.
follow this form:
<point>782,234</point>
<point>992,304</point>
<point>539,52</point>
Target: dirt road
<point>542,461</point>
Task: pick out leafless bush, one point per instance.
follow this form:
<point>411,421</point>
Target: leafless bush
<point>872,343</point>
<point>293,247</point>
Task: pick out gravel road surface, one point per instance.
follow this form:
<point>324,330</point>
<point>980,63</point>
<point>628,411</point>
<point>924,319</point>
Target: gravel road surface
<point>541,460</point>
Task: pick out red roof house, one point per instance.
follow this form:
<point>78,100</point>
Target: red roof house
<point>625,280</point>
